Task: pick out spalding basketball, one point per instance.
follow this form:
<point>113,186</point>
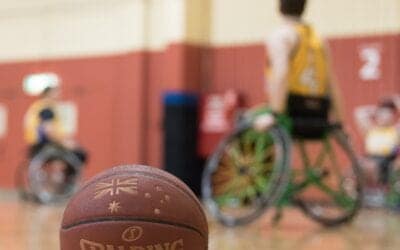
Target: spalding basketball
<point>134,208</point>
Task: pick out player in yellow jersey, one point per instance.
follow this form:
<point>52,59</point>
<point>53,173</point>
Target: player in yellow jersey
<point>43,126</point>
<point>55,156</point>
<point>381,129</point>
<point>42,122</point>
<point>299,81</point>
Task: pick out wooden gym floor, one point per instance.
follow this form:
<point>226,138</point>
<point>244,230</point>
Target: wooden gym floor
<point>25,226</point>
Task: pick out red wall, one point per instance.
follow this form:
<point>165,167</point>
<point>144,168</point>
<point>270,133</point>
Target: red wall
<point>355,90</point>
<point>108,92</point>
<point>176,68</point>
<point>241,68</point>
<point>119,97</point>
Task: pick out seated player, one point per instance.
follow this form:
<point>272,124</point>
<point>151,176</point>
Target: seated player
<point>43,127</point>
<point>381,129</point>
<point>298,76</point>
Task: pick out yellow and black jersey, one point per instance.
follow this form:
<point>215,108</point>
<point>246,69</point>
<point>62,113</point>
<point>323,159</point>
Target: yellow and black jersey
<point>308,69</point>
<point>38,113</point>
<point>382,141</point>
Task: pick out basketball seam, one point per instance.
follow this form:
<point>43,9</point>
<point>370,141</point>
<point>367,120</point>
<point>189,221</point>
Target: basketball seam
<point>132,219</point>
<point>159,177</point>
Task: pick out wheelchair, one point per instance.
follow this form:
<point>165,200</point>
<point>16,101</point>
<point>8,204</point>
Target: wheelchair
<point>251,171</point>
<point>51,175</point>
<point>386,192</point>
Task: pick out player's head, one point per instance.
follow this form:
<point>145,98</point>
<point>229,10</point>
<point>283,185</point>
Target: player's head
<point>386,112</point>
<point>292,7</point>
<point>50,92</point>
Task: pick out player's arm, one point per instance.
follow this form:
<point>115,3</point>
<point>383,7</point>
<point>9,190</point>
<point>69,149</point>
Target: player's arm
<point>280,47</point>
<point>363,116</point>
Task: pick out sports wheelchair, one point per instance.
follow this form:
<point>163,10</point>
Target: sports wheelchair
<point>251,171</point>
<point>51,175</point>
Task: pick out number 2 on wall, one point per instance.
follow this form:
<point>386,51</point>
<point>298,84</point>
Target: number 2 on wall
<point>371,57</point>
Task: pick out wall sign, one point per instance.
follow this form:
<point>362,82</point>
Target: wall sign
<point>69,117</point>
<point>3,121</point>
<point>371,62</point>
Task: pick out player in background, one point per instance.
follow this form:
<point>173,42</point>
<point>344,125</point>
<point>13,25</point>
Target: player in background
<point>299,80</point>
<point>43,126</point>
<point>380,127</point>
<point>42,123</point>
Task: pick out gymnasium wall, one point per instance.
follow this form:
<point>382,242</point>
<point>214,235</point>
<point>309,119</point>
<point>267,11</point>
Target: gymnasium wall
<point>116,59</point>
<point>106,54</point>
<point>250,21</point>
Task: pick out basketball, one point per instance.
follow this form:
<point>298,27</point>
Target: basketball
<point>137,208</point>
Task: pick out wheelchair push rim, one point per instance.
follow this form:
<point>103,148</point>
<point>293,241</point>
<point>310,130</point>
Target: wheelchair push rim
<point>22,181</point>
<point>47,182</point>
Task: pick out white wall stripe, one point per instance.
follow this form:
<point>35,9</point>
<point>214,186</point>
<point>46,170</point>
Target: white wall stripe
<point>80,28</point>
<point>249,21</point>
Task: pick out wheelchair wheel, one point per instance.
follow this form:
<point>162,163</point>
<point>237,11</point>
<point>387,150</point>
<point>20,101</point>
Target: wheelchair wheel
<point>332,196</point>
<point>53,175</point>
<point>22,181</point>
<point>245,174</point>
<point>393,195</point>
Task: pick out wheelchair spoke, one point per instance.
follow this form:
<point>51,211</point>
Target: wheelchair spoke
<point>235,190</point>
<point>234,153</point>
<point>226,174</point>
<point>243,174</point>
<point>232,187</point>
<point>261,182</point>
<point>263,143</point>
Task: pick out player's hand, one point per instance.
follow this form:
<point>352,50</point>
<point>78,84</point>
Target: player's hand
<point>396,100</point>
<point>263,122</point>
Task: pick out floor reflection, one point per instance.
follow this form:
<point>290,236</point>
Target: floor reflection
<point>26,226</point>
<point>372,230</point>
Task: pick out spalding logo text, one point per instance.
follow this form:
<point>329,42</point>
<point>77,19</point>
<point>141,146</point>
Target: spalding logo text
<point>89,245</point>
<point>129,235</point>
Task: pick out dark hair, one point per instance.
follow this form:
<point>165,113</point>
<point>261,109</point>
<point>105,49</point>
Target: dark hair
<point>387,103</point>
<point>292,7</point>
<point>46,91</point>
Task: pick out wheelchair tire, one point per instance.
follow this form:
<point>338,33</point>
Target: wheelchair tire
<point>237,193</point>
<point>393,194</point>
<point>38,178</point>
<point>314,210</point>
<point>22,182</point>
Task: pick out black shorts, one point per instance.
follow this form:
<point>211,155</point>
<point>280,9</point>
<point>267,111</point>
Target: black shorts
<point>310,115</point>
